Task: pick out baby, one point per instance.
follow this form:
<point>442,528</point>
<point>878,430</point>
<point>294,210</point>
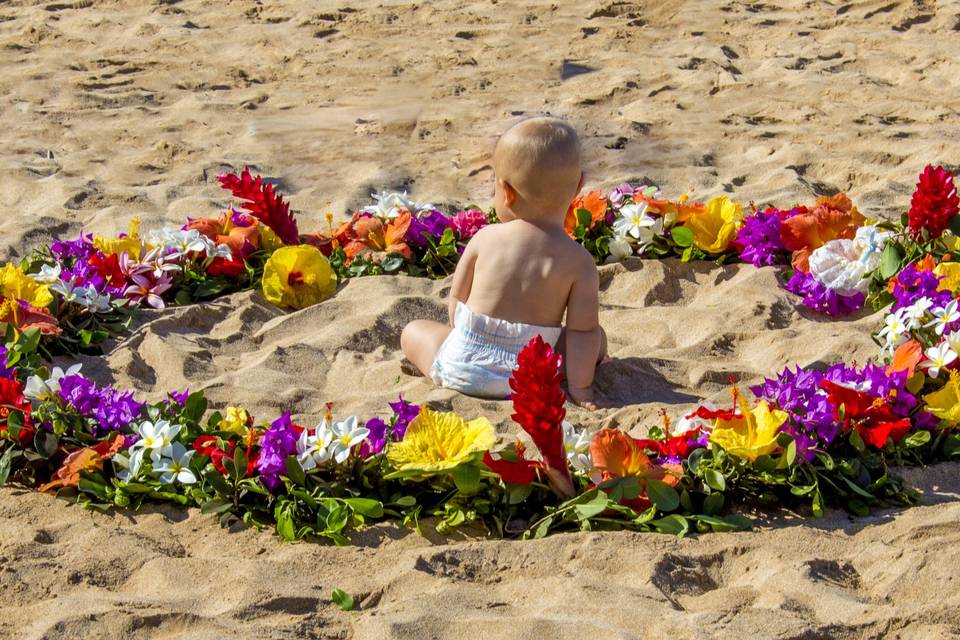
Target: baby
<point>516,280</point>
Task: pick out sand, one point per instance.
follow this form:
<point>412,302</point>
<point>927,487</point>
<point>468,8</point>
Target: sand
<point>116,109</point>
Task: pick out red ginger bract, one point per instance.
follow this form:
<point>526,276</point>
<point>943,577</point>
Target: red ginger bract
<point>263,204</point>
<point>934,202</point>
<point>538,404</point>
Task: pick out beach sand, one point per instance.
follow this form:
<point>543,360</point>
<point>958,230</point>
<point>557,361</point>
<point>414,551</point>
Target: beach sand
<point>118,109</point>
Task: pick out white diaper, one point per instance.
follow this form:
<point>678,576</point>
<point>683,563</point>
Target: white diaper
<point>480,354</point>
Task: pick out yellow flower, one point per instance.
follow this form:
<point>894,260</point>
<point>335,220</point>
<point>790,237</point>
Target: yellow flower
<point>298,277</point>
<point>751,434</point>
<point>16,285</point>
<point>236,421</point>
<point>131,244</point>
<point>945,403</point>
<point>268,239</point>
<point>950,272</point>
<point>715,226</point>
<point>437,441</point>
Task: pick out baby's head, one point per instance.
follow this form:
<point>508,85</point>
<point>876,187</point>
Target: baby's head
<point>537,165</point>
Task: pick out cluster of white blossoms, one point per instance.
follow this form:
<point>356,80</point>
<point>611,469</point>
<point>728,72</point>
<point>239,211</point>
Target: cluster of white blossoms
<point>155,453</point>
<point>933,326</point>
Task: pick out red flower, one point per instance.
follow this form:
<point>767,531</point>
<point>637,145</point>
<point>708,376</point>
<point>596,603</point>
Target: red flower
<point>263,204</point>
<point>213,448</point>
<point>673,447</point>
<point>223,268</point>
<point>870,415</point>
<point>11,399</point>
<point>538,404</point>
<point>519,471</point>
<point>109,268</point>
<point>934,202</point>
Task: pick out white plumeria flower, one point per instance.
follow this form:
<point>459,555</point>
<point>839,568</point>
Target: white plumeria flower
<point>183,242</point>
<point>633,221</point>
<point>894,329</point>
<point>67,290</point>
<point>576,445</point>
<point>314,449</point>
<point>943,318</point>
<point>156,438</point>
<point>94,302</point>
<point>39,389</point>
<point>221,251</point>
<point>953,339</point>
<point>129,466</point>
<point>915,313</point>
<point>938,357</point>
<point>48,274</point>
<point>176,467</point>
<point>620,248</point>
<point>346,435</point>
<point>692,421</point>
<point>391,204</point>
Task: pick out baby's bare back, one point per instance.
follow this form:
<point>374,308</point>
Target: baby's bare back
<point>524,272</point>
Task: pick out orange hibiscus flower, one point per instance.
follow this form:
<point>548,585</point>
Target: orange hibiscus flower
<point>833,217</point>
<point>222,231</point>
<point>617,455</point>
<point>369,236</point>
<point>595,202</point>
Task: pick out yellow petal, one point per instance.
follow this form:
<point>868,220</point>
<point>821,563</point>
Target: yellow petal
<point>298,277</point>
<point>715,226</point>
<point>439,441</point>
<point>750,435</point>
<point>16,285</point>
<point>945,403</point>
<point>950,272</point>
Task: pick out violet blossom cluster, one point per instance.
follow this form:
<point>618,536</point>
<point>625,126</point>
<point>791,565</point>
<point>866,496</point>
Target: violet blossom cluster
<point>912,284</point>
<point>403,414</point>
<point>277,444</point>
<point>112,409</point>
<point>821,298</point>
<point>759,239</point>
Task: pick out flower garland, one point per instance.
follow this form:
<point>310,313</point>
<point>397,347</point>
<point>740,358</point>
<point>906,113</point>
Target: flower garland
<point>824,437</point>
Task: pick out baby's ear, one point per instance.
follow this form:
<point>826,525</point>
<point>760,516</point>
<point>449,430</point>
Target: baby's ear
<point>509,193</point>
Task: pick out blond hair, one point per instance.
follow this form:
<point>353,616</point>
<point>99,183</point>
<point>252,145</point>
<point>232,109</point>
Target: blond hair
<point>540,158</point>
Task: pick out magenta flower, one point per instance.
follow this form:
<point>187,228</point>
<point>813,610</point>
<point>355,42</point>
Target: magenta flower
<point>148,288</point>
<point>467,223</point>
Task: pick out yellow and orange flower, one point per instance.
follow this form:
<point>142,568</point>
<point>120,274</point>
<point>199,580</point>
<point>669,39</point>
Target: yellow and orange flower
<point>368,235</point>
<point>714,225</point>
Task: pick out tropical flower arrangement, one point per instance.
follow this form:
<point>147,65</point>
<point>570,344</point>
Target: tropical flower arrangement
<point>816,436</point>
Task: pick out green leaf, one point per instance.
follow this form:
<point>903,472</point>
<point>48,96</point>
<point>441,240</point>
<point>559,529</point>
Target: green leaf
<point>890,261</point>
<point>392,262</point>
<point>951,445</point>
<point>343,600</point>
<point>366,507</point>
<point>682,236</point>
<point>285,526</point>
<point>195,406</point>
<point>596,505</point>
<point>714,479</point>
<point>713,504</point>
<point>295,471</point>
<point>662,495</point>
<point>673,524</point>
<point>467,478</point>
<point>955,225</point>
<point>405,501</point>
<point>46,443</point>
<point>541,530</point>
<point>5,464</point>
<point>216,480</point>
<point>917,439</point>
<point>215,506</point>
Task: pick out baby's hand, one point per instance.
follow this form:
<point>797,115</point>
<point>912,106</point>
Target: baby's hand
<point>583,397</point>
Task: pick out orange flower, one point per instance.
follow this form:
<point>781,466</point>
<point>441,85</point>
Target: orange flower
<point>23,317</point>
<point>368,235</point>
<point>617,455</point>
<point>906,358</point>
<point>594,202</point>
<point>87,459</point>
<point>222,231</point>
<point>834,217</point>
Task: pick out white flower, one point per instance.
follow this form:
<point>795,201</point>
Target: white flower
<point>67,290</point>
<point>915,313</point>
<point>391,204</point>
<point>844,265</point>
<point>221,251</point>
<point>129,466</point>
<point>176,467</point>
<point>953,339</point>
<point>576,444</point>
<point>155,438</point>
<point>158,260</point>
<point>633,221</point>
<point>346,435</point>
<point>182,242</point>
<point>48,274</point>
<point>938,357</point>
<point>943,318</point>
<point>93,301</point>
<point>692,421</point>
<point>313,450</point>
<point>620,248</point>
<point>894,329</point>
<point>39,389</point>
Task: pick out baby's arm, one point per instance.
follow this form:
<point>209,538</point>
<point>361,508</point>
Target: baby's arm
<point>583,335</point>
<point>463,278</point>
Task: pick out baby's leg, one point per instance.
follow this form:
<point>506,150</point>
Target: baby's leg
<point>420,341</point>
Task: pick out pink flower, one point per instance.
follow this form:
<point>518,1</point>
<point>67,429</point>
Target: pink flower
<point>148,288</point>
<point>467,223</point>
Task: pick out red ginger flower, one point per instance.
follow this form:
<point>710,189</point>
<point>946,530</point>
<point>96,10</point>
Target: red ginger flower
<point>870,415</point>
<point>934,202</point>
<point>538,404</point>
<point>263,204</point>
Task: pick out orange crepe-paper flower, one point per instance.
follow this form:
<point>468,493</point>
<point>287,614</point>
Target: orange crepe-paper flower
<point>87,459</point>
<point>222,231</point>
<point>595,202</point>
<point>832,218</point>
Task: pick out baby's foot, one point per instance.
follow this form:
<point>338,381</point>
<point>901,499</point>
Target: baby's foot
<point>583,397</point>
